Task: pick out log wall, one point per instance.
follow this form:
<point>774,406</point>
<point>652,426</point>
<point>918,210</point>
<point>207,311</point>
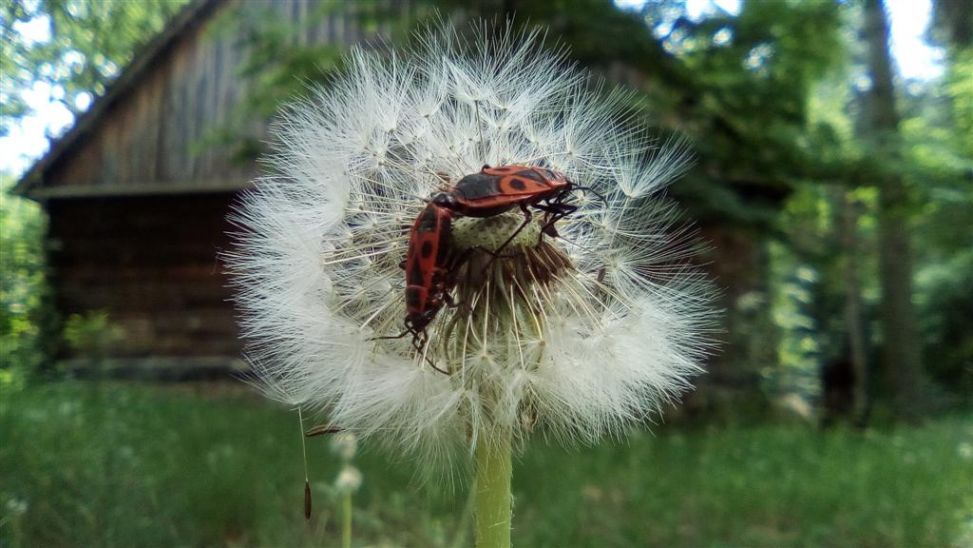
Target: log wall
<point>151,264</point>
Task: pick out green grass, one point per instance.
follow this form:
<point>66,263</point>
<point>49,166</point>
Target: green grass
<point>132,465</point>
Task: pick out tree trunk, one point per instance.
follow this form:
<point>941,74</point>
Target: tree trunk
<point>853,307</point>
<point>901,352</point>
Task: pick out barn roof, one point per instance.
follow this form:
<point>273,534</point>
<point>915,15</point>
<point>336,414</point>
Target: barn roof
<point>174,120</point>
<point>191,16</point>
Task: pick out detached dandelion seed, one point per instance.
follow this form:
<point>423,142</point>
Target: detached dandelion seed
<point>575,337</point>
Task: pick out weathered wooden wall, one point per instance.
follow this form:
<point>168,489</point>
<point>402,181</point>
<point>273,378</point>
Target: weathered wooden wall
<point>151,264</point>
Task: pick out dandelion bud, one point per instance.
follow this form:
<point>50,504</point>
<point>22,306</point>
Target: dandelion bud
<point>348,480</point>
<point>16,507</point>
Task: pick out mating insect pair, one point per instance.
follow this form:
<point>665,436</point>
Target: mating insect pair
<point>429,264</point>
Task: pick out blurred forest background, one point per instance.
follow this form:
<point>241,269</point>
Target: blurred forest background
<point>837,198</point>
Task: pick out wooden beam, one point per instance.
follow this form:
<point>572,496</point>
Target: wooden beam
<point>144,189</point>
<point>159,368</point>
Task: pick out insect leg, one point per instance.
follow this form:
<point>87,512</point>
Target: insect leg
<point>593,191</point>
<point>419,343</point>
<point>556,211</point>
<point>448,299</point>
<point>389,337</point>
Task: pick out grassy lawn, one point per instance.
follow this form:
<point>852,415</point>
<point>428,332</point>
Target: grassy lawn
<point>134,465</point>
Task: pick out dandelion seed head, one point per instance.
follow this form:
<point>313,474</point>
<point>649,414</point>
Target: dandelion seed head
<point>16,507</point>
<point>349,480</point>
<point>576,337</point>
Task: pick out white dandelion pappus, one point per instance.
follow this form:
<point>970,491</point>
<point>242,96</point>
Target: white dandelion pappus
<point>578,336</point>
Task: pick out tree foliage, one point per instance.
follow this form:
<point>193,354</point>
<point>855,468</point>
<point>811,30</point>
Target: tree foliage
<point>933,167</point>
<point>23,290</point>
<point>736,84</point>
<point>74,46</point>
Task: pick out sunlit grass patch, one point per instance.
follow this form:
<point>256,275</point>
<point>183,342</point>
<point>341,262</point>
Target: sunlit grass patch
<point>139,465</point>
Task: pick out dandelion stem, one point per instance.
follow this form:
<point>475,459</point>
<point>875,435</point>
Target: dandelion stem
<point>493,500</point>
<point>346,521</point>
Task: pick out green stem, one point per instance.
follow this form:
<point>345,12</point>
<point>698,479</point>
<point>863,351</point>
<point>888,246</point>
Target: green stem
<point>346,521</point>
<point>493,500</point>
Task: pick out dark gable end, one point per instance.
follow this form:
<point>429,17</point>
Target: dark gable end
<point>78,158</point>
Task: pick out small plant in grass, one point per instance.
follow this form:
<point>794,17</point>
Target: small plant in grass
<point>576,327</point>
<point>349,479</point>
<point>92,335</point>
<point>13,510</point>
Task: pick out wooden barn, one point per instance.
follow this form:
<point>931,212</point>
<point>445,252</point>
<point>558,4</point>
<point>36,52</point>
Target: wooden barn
<point>136,204</point>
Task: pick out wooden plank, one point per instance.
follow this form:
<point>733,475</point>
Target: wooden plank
<point>138,189</point>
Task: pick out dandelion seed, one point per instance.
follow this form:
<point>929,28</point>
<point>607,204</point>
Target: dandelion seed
<point>308,504</point>
<point>576,337</point>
